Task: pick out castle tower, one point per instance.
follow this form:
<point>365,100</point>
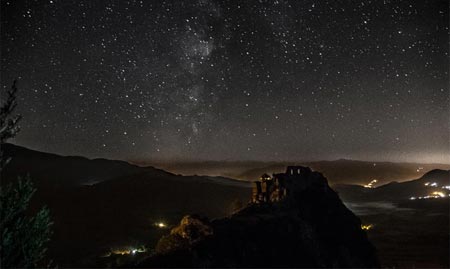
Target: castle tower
<point>277,187</point>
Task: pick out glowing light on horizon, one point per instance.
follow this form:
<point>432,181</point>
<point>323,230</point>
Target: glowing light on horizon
<point>371,184</point>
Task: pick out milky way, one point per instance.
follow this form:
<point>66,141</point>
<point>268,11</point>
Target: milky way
<point>230,80</point>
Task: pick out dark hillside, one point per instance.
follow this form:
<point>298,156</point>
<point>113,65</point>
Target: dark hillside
<point>309,228</point>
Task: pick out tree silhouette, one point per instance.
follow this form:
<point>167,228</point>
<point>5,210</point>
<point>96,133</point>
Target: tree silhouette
<point>23,237</point>
<point>8,123</point>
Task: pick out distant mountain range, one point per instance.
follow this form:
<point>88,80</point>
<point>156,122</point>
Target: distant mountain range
<point>55,171</point>
<point>434,183</point>
<point>337,172</point>
<point>51,170</point>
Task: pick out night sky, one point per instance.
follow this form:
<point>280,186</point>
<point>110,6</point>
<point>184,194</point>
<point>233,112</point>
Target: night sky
<point>231,80</point>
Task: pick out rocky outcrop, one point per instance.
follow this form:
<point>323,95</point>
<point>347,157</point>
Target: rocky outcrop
<point>311,227</point>
<point>191,230</point>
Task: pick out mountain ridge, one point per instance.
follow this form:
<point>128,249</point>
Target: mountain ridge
<point>398,191</point>
<point>48,169</point>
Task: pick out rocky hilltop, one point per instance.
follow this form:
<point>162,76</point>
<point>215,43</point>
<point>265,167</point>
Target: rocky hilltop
<point>308,227</point>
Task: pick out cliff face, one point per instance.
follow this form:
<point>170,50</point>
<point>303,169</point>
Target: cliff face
<point>310,227</point>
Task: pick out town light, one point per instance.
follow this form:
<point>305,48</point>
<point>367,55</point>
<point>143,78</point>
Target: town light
<point>438,193</point>
<point>160,225</point>
<point>371,183</point>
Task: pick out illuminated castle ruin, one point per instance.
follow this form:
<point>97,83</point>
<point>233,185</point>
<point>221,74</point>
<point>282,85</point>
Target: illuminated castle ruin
<point>278,186</point>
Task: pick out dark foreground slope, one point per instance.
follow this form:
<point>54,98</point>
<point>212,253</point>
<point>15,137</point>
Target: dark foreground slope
<point>309,228</point>
<point>121,213</point>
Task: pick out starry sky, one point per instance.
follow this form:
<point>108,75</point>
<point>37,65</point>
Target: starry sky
<point>231,80</point>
